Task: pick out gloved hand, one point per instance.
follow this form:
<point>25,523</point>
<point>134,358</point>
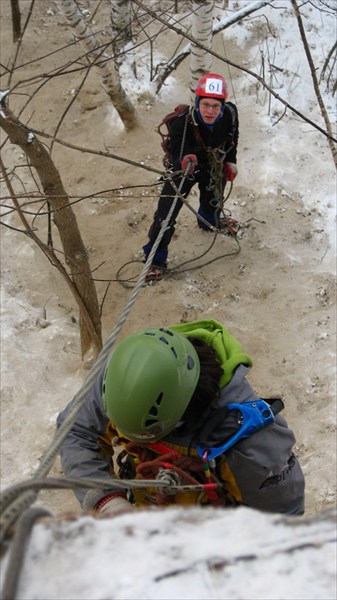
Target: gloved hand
<point>230,171</point>
<point>112,505</point>
<point>190,159</point>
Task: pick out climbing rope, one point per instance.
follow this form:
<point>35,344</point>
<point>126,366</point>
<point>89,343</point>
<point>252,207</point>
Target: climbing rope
<point>216,157</point>
<point>71,483</point>
<point>224,227</point>
<point>12,512</point>
<point>21,536</point>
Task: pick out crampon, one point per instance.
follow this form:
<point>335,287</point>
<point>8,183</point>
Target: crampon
<point>153,275</point>
<point>229,226</point>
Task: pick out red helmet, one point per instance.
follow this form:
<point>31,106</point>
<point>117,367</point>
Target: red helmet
<point>212,85</point>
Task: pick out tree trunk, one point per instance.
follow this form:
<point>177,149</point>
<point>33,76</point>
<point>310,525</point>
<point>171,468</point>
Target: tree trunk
<point>16,20</point>
<point>201,60</point>
<point>74,251</point>
<point>122,33</point>
<point>104,63</point>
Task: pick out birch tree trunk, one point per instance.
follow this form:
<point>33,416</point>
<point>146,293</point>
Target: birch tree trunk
<point>76,258</point>
<point>121,28</point>
<point>202,22</point>
<point>104,63</point>
<point>166,70</point>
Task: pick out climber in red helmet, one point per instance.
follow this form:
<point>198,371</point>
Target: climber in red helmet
<point>203,145</point>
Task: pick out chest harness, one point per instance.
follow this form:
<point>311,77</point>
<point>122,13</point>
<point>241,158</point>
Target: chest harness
<point>198,473</point>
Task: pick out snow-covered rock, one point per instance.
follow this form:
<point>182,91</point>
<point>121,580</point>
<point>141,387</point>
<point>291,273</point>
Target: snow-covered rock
<point>181,553</point>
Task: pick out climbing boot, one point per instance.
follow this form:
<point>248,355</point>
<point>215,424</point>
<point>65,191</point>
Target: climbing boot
<point>153,275</point>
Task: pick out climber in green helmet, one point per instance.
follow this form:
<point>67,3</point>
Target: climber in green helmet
<point>149,382</point>
<point>176,400</point>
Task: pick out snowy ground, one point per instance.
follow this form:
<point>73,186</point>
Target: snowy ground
<point>182,553</point>
<point>277,296</point>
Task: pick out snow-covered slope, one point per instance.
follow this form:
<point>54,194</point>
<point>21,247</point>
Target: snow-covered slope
<point>286,166</point>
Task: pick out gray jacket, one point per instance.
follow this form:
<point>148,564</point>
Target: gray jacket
<point>264,466</point>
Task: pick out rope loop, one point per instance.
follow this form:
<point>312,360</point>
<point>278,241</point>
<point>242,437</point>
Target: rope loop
<point>172,478</point>
<point>216,157</point>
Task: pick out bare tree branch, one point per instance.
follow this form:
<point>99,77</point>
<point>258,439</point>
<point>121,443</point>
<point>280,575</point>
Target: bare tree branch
<point>315,81</point>
<point>332,52</point>
<point>75,252</point>
<point>171,65</point>
<point>140,165</point>
<point>245,70</point>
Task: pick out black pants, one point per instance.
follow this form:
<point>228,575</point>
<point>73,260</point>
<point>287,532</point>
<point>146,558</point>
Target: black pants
<point>208,206</point>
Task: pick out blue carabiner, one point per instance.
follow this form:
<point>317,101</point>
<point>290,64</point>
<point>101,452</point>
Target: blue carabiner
<point>256,415</point>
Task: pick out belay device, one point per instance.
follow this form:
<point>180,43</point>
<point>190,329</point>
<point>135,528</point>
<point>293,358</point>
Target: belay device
<point>255,415</point>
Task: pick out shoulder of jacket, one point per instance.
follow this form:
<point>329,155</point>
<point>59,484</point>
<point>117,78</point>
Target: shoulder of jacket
<point>232,110</point>
<point>178,122</point>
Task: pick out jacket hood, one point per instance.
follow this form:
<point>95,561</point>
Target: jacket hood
<point>227,347</point>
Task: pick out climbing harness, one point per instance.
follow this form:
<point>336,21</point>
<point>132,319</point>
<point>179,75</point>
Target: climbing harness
<point>159,462</point>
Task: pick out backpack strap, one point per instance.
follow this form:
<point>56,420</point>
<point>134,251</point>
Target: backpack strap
<point>229,106</point>
<point>187,120</point>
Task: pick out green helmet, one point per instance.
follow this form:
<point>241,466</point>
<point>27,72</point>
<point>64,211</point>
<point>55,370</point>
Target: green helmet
<point>148,383</point>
